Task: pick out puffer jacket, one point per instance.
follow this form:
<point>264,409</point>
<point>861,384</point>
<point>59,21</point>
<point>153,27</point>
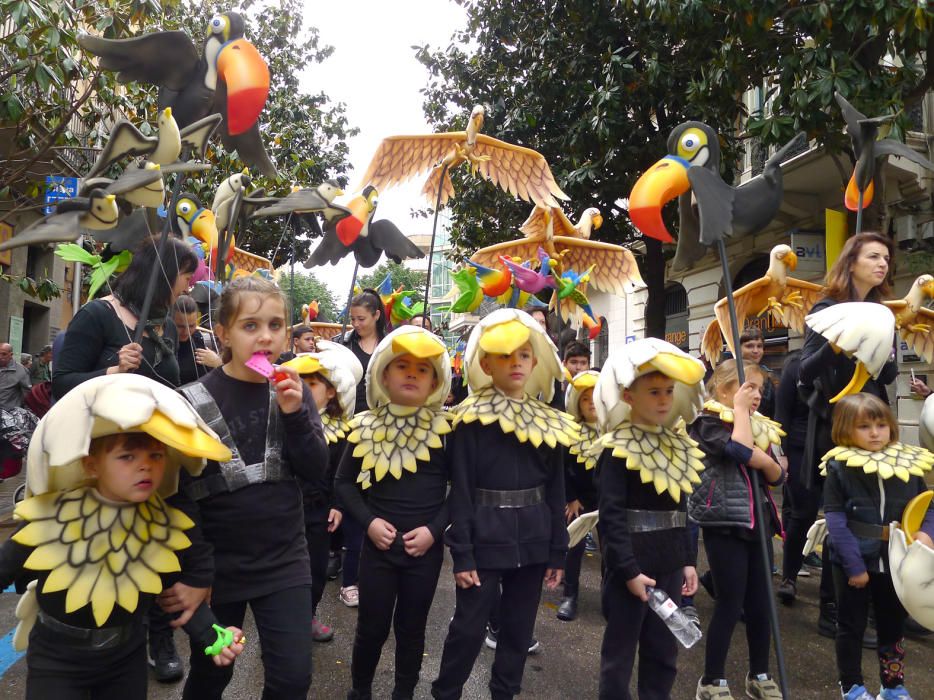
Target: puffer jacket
<point>724,496</point>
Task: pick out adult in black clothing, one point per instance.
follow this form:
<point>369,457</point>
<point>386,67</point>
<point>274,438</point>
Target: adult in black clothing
<point>859,274</point>
<point>100,336</point>
<point>99,340</point>
<point>368,328</point>
<point>197,350</point>
<point>752,349</point>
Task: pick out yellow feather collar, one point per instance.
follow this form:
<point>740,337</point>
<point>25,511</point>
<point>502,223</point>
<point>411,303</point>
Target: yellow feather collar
<point>101,553</point>
<point>897,459</point>
<point>530,420</point>
<point>335,428</point>
<point>583,448</point>
<point>669,460</point>
<point>765,431</point>
<point>393,438</point>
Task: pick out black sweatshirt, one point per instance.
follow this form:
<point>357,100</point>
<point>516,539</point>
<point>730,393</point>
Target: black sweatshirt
<point>626,553</point>
<point>484,537</point>
<point>257,532</point>
<point>188,369</point>
<point>790,410</point>
<point>410,502</point>
<point>92,341</point>
<point>579,482</point>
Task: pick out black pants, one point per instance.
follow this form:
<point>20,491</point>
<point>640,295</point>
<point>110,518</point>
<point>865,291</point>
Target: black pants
<point>354,535</point>
<point>630,624</point>
<point>283,621</point>
<point>319,547</point>
<point>521,593</point>
<point>852,611</point>
<point>397,590</point>
<point>572,568</point>
<point>55,671</point>
<point>739,577</point>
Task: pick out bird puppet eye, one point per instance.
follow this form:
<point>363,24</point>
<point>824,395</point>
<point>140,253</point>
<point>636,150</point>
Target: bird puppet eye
<point>217,23</point>
<point>185,208</point>
<point>690,142</point>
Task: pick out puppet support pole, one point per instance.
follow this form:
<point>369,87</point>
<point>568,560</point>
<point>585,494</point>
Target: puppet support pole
<point>160,252</point>
<point>859,213</point>
<point>754,479</point>
<point>434,231</point>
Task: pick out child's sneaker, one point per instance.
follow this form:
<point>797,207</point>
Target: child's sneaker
<point>896,693</point>
<point>715,690</point>
<point>762,687</point>
<point>350,596</point>
<point>857,692</point>
<point>321,632</point>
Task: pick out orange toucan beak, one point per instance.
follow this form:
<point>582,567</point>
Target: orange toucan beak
<point>661,183</point>
<point>246,75</point>
<point>204,228</point>
<point>851,198</point>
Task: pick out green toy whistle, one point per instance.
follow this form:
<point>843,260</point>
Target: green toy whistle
<point>224,640</point>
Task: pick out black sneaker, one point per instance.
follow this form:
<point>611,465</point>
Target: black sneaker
<point>534,647</point>
<point>812,560</point>
<point>589,544</point>
<point>490,640</point>
<point>567,611</point>
<point>334,566</point>
<point>787,591</point>
<point>163,658</point>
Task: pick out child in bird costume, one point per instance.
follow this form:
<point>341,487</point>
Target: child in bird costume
<point>645,471</point>
<point>332,374</point>
<point>99,539</point>
<point>870,479</point>
<point>507,497</point>
<point>396,458</point>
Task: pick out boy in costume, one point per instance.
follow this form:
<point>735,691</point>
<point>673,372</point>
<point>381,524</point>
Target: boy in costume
<point>507,497</point>
<point>99,538</point>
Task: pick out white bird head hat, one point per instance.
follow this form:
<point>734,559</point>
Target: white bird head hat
<point>109,405</point>
<point>338,365</point>
<point>581,382</point>
<point>415,341</point>
<point>642,357</point>
<point>502,332</point>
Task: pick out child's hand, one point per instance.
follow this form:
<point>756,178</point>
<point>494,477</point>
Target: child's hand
<point>183,599</point>
<point>553,578</point>
<point>381,533</point>
<point>637,586</point>
<point>746,398</point>
<point>334,519</point>
<point>924,538</point>
<point>467,579</point>
<point>573,510</point>
<point>288,390</point>
<point>228,654</point>
<point>690,581</point>
<point>418,541</point>
<point>860,580</point>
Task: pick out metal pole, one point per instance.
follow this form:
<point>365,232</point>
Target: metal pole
<point>754,482</point>
<point>163,240</point>
<point>859,213</point>
<point>434,231</point>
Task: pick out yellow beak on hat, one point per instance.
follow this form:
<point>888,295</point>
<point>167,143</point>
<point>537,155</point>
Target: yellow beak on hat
<point>505,338</point>
<point>303,364</point>
<point>681,369</point>
<point>190,441</point>
<point>421,345</point>
<point>584,382</point>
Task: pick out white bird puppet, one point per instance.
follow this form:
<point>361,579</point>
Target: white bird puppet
<point>783,298</point>
<point>913,320</point>
<point>911,562</point>
<point>863,331</point>
<point>926,424</point>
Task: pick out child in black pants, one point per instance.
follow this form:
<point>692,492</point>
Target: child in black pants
<point>507,498</point>
<point>396,457</point>
<point>643,471</point>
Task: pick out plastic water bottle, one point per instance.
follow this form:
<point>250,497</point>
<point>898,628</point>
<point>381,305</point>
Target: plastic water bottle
<point>680,625</point>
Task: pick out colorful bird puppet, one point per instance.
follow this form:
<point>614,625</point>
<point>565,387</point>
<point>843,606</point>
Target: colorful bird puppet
<point>527,279</point>
<point>911,562</point>
<point>691,170</point>
<point>97,211</point>
<point>306,203</point>
<point>310,311</point>
<point>785,299</point>
<point>913,320</point>
<point>193,221</point>
<point>863,331</point>
<point>466,291</point>
<point>397,303</point>
<point>867,150</point>
<point>356,232</point>
<point>229,78</point>
<point>519,171</point>
<point>571,300</point>
<point>493,282</point>
<point>102,266</point>
<point>617,271</point>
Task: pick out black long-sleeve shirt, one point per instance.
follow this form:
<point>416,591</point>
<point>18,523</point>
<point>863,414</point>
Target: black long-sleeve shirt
<point>258,532</point>
<point>790,410</point>
<point>485,537</point>
<point>413,501</point>
<point>92,342</point>
<point>628,553</point>
<point>579,482</point>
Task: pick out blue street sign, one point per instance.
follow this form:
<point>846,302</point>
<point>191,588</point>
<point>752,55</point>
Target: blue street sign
<point>57,188</point>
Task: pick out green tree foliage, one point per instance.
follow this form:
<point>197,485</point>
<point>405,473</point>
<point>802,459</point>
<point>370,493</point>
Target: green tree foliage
<point>410,280</point>
<point>597,86</point>
<point>308,288</point>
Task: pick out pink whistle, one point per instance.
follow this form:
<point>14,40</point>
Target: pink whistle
<point>259,364</point>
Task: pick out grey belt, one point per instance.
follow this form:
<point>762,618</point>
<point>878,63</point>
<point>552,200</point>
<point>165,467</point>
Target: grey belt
<point>510,499</point>
<point>98,639</point>
<point>650,520</point>
<point>868,530</point>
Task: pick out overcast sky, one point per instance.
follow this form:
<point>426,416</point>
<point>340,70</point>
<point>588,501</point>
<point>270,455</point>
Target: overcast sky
<point>373,71</point>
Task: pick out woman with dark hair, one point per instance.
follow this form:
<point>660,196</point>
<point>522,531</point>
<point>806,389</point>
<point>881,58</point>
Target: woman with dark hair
<point>860,274</point>
<point>99,339</point>
<point>368,322</point>
<point>197,350</point>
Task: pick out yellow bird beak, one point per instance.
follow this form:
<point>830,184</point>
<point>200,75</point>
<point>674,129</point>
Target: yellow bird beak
<point>790,260</point>
<point>857,382</point>
<point>303,364</point>
<point>338,193</point>
<point>928,288</point>
<point>505,338</point>
<point>167,112</point>
<point>585,381</point>
<point>421,345</point>
<point>204,228</point>
<point>661,183</point>
<point>190,441</point>
<point>681,369</point>
<point>597,221</point>
<point>914,513</point>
